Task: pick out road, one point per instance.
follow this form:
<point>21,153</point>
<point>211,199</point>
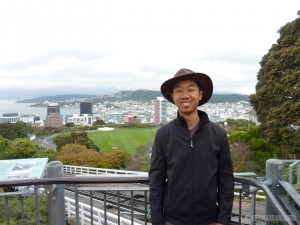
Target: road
<point>45,142</point>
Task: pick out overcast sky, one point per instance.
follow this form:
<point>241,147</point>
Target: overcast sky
<point>102,46</point>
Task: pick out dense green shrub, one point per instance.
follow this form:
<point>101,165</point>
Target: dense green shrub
<point>15,213</point>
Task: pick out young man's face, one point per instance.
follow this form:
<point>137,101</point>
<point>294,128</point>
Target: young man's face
<point>186,96</point>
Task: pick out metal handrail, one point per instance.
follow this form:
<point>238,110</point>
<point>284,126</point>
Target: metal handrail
<point>77,180</point>
<point>137,179</point>
<point>277,207</point>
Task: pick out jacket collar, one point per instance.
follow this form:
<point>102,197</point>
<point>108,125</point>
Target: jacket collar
<point>202,115</point>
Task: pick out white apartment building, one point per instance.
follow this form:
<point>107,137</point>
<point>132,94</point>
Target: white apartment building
<point>114,116</point>
<point>10,118</point>
<point>84,120</point>
<point>27,118</point>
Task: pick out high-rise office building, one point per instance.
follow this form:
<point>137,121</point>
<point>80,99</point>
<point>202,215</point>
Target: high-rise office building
<point>53,118</point>
<point>53,109</point>
<point>160,110</point>
<point>86,108</point>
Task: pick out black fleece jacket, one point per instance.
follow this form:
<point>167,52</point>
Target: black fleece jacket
<point>191,180</point>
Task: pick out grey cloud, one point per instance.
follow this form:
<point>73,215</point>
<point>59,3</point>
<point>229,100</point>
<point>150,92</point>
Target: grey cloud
<point>26,93</point>
<point>237,56</point>
<point>158,70</point>
<point>48,57</point>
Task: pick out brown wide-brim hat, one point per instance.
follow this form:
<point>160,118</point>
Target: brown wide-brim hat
<point>186,74</point>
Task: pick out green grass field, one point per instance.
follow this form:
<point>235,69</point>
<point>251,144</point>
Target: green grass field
<point>122,139</point>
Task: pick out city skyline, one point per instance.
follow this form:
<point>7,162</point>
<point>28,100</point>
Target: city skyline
<point>99,47</point>
<point>156,111</point>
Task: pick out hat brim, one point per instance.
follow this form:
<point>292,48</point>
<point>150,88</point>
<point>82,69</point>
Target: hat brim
<point>203,79</point>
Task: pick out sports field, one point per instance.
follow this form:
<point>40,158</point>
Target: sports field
<point>122,139</point>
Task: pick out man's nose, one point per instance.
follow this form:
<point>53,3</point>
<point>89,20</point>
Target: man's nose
<point>184,94</point>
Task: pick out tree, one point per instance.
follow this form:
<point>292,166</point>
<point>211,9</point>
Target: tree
<point>249,151</point>
<point>46,153</point>
<point>80,155</point>
<point>115,160</point>
<point>22,129</point>
<point>99,122</point>
<point>21,148</point>
<point>70,125</point>
<point>4,147</point>
<point>239,123</point>
<point>12,131</point>
<point>61,140</point>
<point>141,159</point>
<point>241,157</point>
<point>277,97</point>
<point>80,138</point>
<point>16,213</point>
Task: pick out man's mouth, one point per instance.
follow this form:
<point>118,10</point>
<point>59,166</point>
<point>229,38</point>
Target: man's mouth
<point>185,104</point>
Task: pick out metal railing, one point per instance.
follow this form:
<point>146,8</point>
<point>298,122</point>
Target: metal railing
<point>123,199</point>
<point>250,186</point>
<point>88,213</point>
<point>293,170</point>
<point>82,183</point>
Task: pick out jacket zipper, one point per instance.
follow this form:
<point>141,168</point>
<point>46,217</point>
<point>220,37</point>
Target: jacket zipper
<point>192,183</point>
<point>192,194</point>
<point>192,144</point>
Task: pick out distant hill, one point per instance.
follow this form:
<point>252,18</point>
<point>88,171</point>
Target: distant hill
<point>147,95</point>
<point>56,98</point>
<point>218,98</point>
<point>138,95</point>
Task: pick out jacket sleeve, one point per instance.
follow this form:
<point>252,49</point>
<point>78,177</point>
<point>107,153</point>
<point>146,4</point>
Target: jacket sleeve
<point>157,177</point>
<point>225,183</point>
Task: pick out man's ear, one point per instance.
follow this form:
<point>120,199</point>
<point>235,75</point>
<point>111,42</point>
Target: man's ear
<point>201,95</point>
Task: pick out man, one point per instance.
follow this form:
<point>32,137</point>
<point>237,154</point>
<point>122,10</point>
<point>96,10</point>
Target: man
<point>191,173</point>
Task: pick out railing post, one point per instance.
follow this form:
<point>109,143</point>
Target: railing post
<point>298,173</point>
<point>56,195</point>
<point>274,168</point>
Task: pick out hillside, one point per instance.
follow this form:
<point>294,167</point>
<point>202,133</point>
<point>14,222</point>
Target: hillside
<point>138,95</point>
<point>56,98</point>
<point>218,98</point>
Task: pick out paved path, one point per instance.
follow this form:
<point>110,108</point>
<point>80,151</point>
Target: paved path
<point>246,211</point>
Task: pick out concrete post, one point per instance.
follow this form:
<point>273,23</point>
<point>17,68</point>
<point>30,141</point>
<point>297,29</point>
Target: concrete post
<point>56,199</point>
<point>274,169</point>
